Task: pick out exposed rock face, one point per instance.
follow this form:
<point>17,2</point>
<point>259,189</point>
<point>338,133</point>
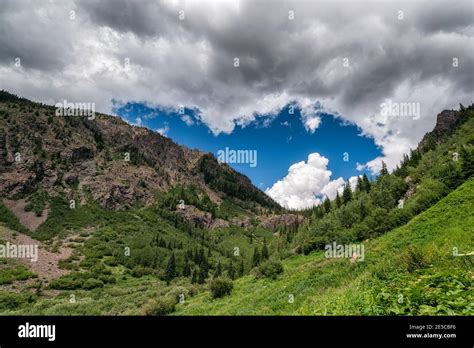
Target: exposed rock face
<point>446,123</point>
<point>118,164</point>
<point>276,221</point>
<point>242,221</point>
<point>195,217</point>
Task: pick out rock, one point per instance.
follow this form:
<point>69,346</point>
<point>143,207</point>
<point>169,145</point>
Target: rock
<point>276,221</point>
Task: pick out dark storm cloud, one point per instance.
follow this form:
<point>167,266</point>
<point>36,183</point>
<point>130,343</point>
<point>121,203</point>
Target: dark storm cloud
<point>191,61</point>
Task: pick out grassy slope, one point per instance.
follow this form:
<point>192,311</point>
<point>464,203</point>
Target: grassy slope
<point>410,270</point>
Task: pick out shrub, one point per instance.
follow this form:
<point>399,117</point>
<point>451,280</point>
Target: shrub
<point>92,283</point>
<point>162,306</point>
<point>220,287</point>
<point>270,269</point>
<point>140,271</point>
<point>413,259</point>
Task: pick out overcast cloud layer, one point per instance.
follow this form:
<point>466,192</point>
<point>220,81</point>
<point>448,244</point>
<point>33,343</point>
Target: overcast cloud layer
<point>78,50</point>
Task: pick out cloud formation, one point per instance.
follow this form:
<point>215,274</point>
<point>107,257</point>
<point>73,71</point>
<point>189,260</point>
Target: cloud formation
<point>306,184</point>
<point>344,56</point>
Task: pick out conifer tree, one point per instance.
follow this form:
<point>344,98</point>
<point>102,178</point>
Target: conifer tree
<point>265,254</point>
<point>187,269</point>
<point>218,271</point>
<point>338,200</point>
<point>347,193</point>
<point>467,164</point>
<point>366,183</point>
<point>170,269</point>
<point>384,170</point>
<point>241,268</point>
<point>327,205</point>
<point>255,257</point>
<point>231,271</point>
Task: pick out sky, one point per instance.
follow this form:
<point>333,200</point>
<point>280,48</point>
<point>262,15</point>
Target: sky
<point>365,77</point>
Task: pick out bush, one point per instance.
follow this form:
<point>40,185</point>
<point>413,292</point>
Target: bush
<point>413,259</point>
<point>92,283</point>
<point>140,271</point>
<point>220,287</point>
<point>270,269</point>
<point>162,306</point>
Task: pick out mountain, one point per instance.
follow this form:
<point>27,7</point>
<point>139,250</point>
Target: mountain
<point>119,165</point>
<point>133,224</point>
<point>412,270</point>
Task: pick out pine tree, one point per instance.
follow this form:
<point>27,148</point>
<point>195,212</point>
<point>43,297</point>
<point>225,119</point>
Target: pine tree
<point>241,268</point>
<point>327,205</point>
<point>467,164</point>
<point>218,271</point>
<point>194,277</point>
<point>170,269</point>
<point>201,277</point>
<point>187,269</point>
<point>255,257</point>
<point>359,185</point>
<point>366,183</point>
<point>347,193</point>
<point>338,200</point>
<point>384,170</point>
<point>265,254</point>
<point>231,271</point>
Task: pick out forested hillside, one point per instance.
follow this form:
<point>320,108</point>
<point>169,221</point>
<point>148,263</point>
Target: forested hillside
<point>128,222</point>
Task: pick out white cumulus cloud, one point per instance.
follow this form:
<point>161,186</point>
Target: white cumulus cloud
<point>306,184</point>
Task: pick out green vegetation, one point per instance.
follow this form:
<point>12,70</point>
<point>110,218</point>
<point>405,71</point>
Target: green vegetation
<point>10,220</point>
<point>414,223</point>
<point>411,270</point>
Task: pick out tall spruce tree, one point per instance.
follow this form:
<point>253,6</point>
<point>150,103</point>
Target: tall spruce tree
<point>241,268</point>
<point>255,257</point>
<point>265,254</point>
<point>327,205</point>
<point>366,183</point>
<point>338,200</point>
<point>347,193</point>
<point>218,271</point>
<point>467,164</point>
<point>170,272</point>
<point>231,271</point>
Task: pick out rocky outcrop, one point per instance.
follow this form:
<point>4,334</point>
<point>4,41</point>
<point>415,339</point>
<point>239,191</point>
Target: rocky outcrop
<point>118,164</point>
<point>275,221</point>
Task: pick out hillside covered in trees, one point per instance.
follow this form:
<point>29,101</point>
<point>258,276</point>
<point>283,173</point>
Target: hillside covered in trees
<point>131,223</point>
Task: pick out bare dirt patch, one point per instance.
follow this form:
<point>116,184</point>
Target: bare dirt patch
<point>27,218</point>
<point>46,267</point>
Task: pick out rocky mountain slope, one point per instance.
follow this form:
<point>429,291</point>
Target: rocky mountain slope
<point>105,159</point>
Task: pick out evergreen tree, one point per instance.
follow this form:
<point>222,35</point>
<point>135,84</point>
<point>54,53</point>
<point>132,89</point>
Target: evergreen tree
<point>359,185</point>
<point>327,205</point>
<point>241,268</point>
<point>384,170</point>
<point>201,277</point>
<point>363,211</point>
<point>170,269</point>
<point>347,193</point>
<point>365,183</point>
<point>194,277</point>
<point>265,254</point>
<point>338,200</point>
<point>218,271</point>
<point>255,257</point>
<point>187,269</point>
<point>467,164</point>
<point>231,271</point>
